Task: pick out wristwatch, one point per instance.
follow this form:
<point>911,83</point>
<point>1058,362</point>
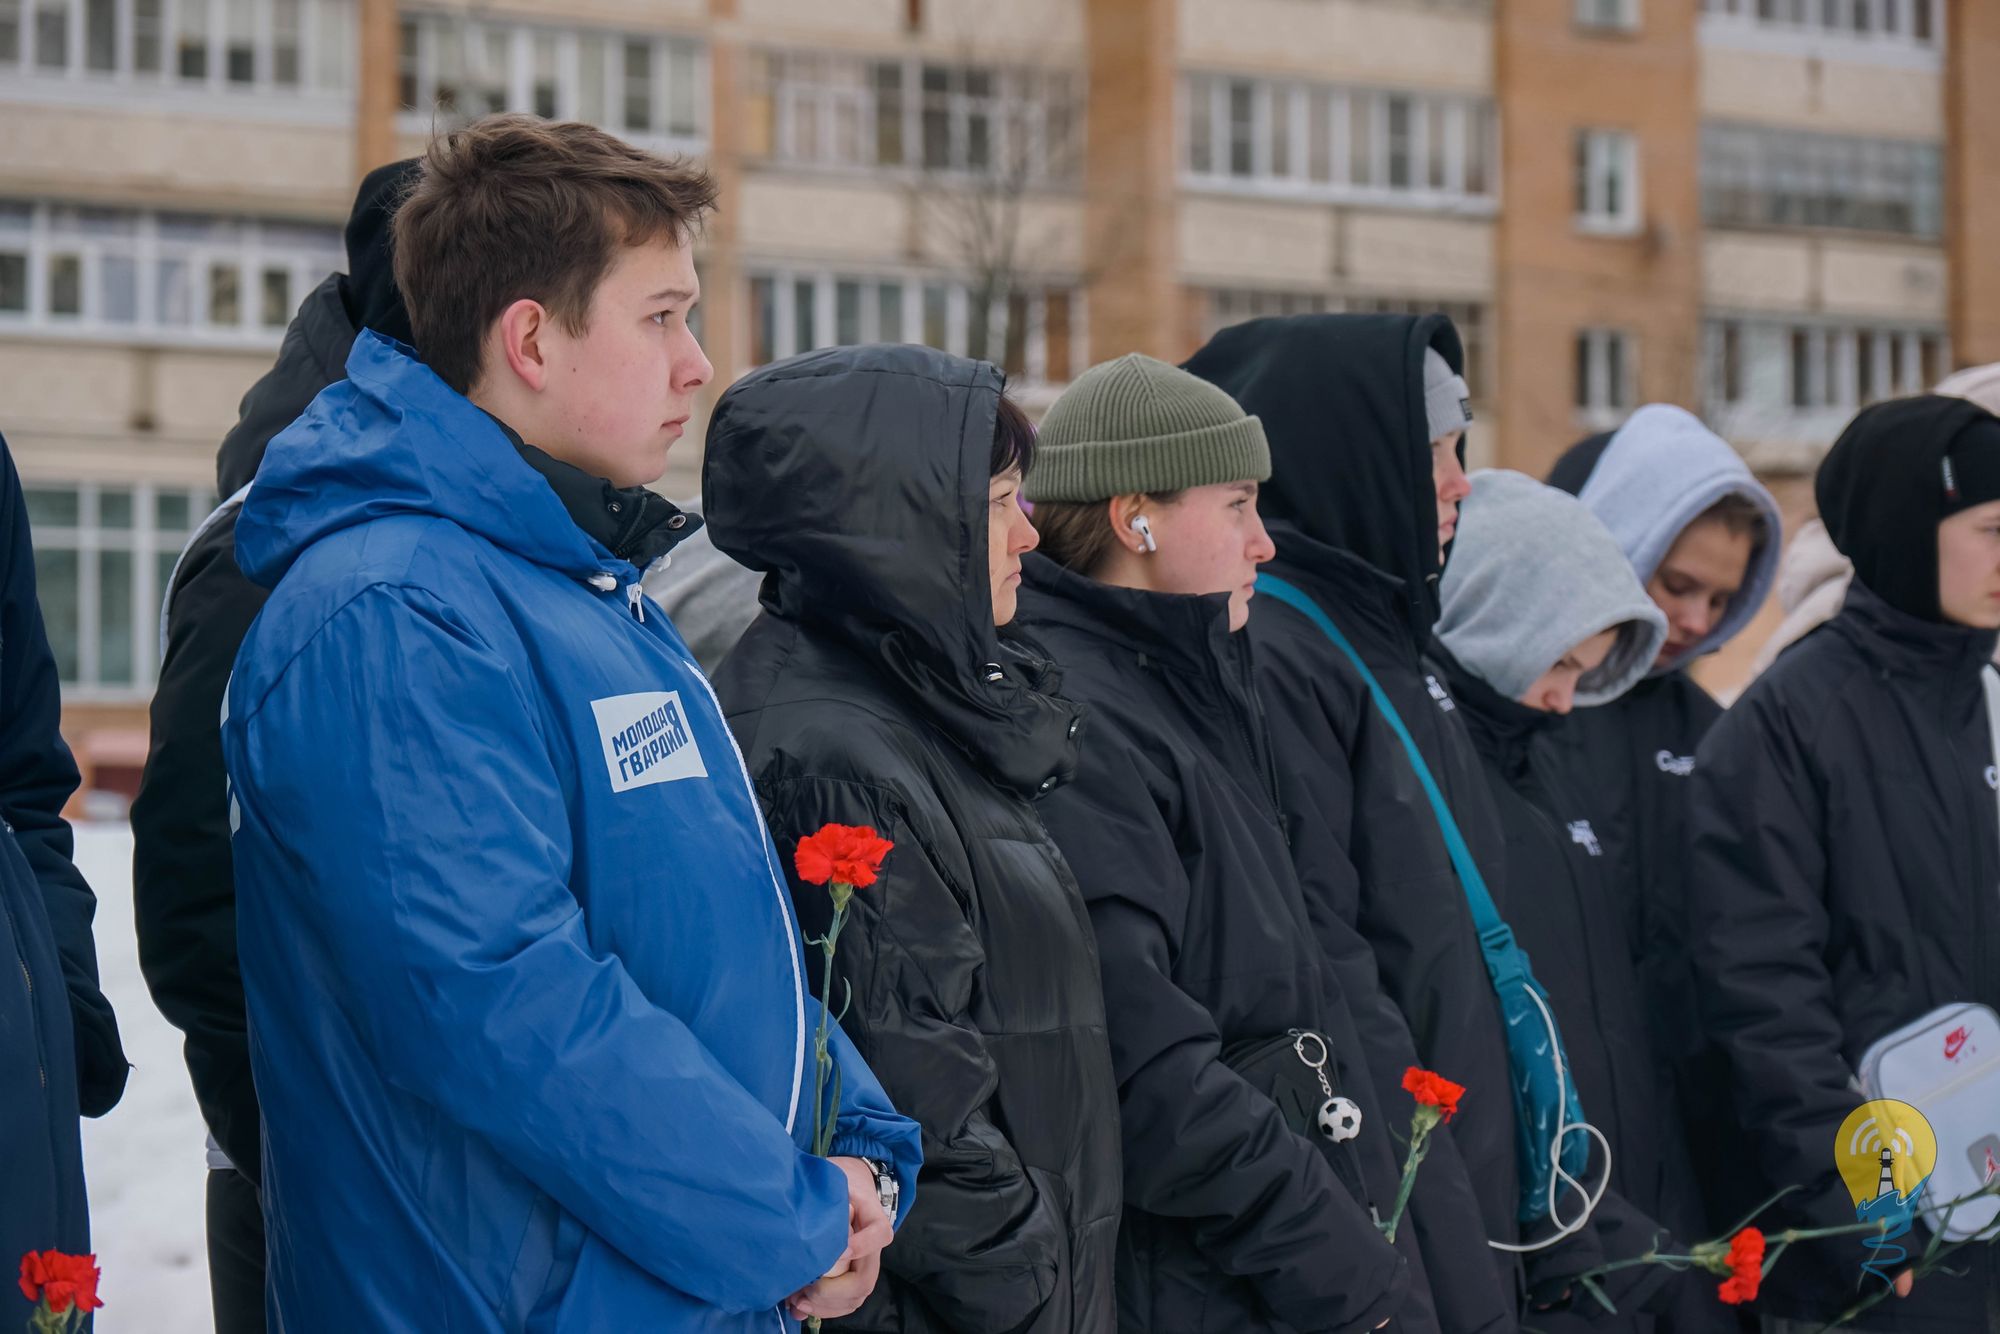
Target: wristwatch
<point>887,1188</point>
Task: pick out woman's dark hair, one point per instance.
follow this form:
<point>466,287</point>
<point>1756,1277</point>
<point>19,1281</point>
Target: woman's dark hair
<point>1013,439</point>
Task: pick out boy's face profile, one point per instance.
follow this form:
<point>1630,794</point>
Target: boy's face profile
<point>614,397</point>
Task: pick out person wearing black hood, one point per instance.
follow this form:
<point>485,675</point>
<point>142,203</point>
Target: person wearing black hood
<point>1845,846</point>
<point>1219,1003</point>
<point>183,889</point>
<point>879,686</point>
<point>1366,417</point>
<point>1703,535</point>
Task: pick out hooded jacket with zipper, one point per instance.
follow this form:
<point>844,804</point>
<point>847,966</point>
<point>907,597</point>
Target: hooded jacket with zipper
<point>873,690</point>
<point>1232,1221</point>
<point>59,1050</point>
<point>1846,867</point>
<point>1351,507</point>
<point>526,990</point>
<point>184,896</point>
<point>1632,759</point>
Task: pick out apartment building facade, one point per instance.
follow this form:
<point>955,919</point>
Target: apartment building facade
<point>1759,208</point>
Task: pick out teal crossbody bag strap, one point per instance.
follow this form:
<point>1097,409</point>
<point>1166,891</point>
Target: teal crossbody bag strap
<point>1496,938</point>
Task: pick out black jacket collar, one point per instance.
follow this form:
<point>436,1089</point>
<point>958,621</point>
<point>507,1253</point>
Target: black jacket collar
<point>1185,633</point>
<point>1906,645</point>
<point>631,522</point>
<point>1503,729</point>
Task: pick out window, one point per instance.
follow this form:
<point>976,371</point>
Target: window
<point>150,275</point>
<point>843,111</point>
<point>103,556</point>
<point>1774,369</point>
<point>1857,25</point>
<point>451,67</point>
<point>1607,181</point>
<point>231,47</point>
<point>1224,306</point>
<point>1758,176</point>
<point>1606,376</point>
<point>1032,332</point>
<point>1337,144</point>
<point>1620,15</point>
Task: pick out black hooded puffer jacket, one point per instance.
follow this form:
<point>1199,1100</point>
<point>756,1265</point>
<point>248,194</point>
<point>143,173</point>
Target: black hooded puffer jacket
<point>1233,1221</point>
<point>1846,866</point>
<point>874,690</point>
<point>1352,508</point>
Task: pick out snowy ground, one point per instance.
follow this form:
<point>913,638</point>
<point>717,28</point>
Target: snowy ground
<point>145,1160</point>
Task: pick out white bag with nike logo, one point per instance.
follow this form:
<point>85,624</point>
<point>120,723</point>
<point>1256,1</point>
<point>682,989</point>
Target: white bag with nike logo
<point>1947,1066</point>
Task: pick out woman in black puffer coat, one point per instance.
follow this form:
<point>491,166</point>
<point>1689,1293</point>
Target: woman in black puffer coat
<point>875,486</point>
<point>1240,1213</point>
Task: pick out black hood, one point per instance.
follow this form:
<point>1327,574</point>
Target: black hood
<point>856,478</point>
<point>1342,402</point>
<point>1882,492</point>
<point>1573,469</point>
<point>314,353</point>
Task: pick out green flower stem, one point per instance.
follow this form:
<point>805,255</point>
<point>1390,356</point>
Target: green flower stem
<point>1421,1125</point>
<point>826,1113</point>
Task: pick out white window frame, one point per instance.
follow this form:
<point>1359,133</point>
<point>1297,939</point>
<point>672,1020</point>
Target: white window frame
<point>1775,402</point>
<point>248,246</point>
<point>1610,202</point>
<point>1607,15</point>
<point>322,93</point>
<point>1761,176</point>
<point>678,73</point>
<point>90,539</point>
<point>1905,33</point>
<point>824,283</point>
<point>1282,113</point>
<point>1608,392</point>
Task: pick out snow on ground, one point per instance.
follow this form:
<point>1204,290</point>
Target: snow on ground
<point>144,1162</point>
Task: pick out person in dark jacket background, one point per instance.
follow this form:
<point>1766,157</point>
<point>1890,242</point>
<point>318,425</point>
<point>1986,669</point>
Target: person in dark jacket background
<point>877,687</point>
<point>1541,614</point>
<point>60,1056</point>
<point>1703,536</point>
<point>1238,1215</point>
<point>184,893</point>
<point>1366,478</point>
<point>1845,855</point>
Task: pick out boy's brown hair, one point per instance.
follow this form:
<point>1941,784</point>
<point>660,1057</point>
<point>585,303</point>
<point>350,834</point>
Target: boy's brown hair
<point>511,207</point>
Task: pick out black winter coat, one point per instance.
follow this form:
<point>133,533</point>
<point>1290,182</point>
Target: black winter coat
<point>1845,881</point>
<point>183,888</point>
<point>59,1050</point>
<point>1561,902</point>
<point>1355,526</point>
<point>1232,1221</point>
<point>873,690</point>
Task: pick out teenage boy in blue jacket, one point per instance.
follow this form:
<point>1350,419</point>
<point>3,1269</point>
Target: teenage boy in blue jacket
<point>525,990</point>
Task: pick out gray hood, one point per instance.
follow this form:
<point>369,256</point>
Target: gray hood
<point>1662,469</point>
<point>1533,574</point>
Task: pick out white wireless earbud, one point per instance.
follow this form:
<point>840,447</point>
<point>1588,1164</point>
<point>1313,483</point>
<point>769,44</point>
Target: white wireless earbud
<point>1145,532</point>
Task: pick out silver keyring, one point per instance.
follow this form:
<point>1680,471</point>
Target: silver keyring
<point>1299,1036</point>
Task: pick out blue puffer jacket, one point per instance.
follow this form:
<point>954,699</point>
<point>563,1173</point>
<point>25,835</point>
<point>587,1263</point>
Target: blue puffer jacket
<point>523,978</point>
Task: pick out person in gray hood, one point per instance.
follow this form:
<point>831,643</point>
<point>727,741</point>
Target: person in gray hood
<point>1541,614</point>
<point>1702,534</point>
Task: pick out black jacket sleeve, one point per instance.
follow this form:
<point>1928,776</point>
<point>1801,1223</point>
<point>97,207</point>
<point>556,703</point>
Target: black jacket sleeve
<point>985,1244</point>
<point>1202,1145</point>
<point>182,875</point>
<point>37,776</point>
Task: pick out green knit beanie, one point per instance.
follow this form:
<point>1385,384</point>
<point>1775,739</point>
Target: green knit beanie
<point>1136,425</point>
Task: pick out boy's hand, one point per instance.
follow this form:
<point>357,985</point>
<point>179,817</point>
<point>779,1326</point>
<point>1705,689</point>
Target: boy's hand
<point>854,1275</point>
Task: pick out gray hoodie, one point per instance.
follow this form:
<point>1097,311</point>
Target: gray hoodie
<point>1533,574</point>
<point>1659,473</point>
<point>710,598</point>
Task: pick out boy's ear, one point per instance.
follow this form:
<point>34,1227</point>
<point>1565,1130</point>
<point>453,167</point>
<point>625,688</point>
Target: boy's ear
<point>519,333</point>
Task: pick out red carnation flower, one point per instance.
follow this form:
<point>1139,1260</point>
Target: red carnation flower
<point>1433,1090</point>
<point>60,1280</point>
<point>842,853</point>
<point>1746,1267</point>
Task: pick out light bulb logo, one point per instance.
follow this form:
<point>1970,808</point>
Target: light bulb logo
<point>1884,1147</point>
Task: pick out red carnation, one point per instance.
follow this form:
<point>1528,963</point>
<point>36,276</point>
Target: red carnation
<point>1746,1267</point>
<point>842,853</point>
<point>60,1280</point>
<point>1433,1090</point>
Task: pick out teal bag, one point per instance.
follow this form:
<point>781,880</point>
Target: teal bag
<point>1545,1101</point>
